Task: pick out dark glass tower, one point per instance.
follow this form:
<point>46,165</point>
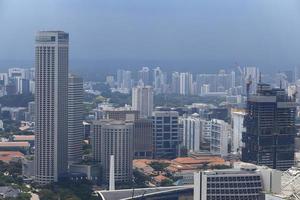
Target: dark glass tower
<point>270,128</point>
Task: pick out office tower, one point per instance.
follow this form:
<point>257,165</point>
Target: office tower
<point>175,84</point>
<point>228,184</point>
<point>110,80</point>
<point>158,78</point>
<point>166,136</point>
<point>143,139</point>
<point>237,120</point>
<point>142,100</point>
<point>219,138</point>
<point>51,98</point>
<point>86,130</point>
<point>4,79</point>
<point>251,74</point>
<point>23,86</point>
<point>124,80</point>
<point>270,128</point>
<point>112,137</point>
<point>144,76</point>
<point>75,117</point>
<point>196,133</point>
<point>281,80</point>
<point>32,86</point>
<point>205,89</point>
<point>30,114</point>
<point>186,80</point>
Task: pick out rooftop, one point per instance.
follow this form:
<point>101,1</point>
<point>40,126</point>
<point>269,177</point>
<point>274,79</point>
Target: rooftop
<point>138,193</point>
<point>7,156</point>
<point>14,144</point>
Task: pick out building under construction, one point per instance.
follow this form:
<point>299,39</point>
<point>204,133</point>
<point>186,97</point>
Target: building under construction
<point>270,128</point>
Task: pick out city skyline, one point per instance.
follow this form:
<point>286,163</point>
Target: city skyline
<point>199,39</point>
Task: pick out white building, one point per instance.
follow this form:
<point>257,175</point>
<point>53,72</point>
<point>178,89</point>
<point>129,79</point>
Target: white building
<point>186,80</point>
<point>142,100</point>
<point>245,181</point>
<point>220,133</point>
<point>196,132</point>
<point>237,120</point>
<point>51,98</point>
<point>159,80</point>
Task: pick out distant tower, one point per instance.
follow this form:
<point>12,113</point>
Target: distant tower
<point>142,100</point>
<point>75,117</point>
<point>51,99</point>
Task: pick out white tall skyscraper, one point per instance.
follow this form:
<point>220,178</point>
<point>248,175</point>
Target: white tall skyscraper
<point>51,90</point>
<point>75,118</point>
<point>186,80</point>
<point>142,100</point>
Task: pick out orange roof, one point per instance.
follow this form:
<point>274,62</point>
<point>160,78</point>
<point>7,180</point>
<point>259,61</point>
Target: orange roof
<point>199,160</point>
<point>24,137</point>
<point>7,156</point>
<point>14,144</point>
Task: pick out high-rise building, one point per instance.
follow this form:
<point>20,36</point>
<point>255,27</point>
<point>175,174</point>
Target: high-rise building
<point>237,122</point>
<point>75,117</point>
<point>142,100</point>
<point>270,128</point>
<point>166,136</point>
<point>143,139</point>
<point>220,133</point>
<point>124,80</point>
<point>186,80</point>
<point>144,76</point>
<point>175,85</point>
<point>196,133</point>
<point>112,137</point>
<point>51,98</point>
<point>158,80</point>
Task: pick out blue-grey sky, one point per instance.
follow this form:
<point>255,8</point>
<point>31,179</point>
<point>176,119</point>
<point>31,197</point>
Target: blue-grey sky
<point>254,32</point>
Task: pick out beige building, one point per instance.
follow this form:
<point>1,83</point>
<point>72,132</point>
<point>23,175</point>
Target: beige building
<point>112,137</point>
<point>51,99</point>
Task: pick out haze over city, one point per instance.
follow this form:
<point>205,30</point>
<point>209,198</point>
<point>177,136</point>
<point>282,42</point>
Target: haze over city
<point>196,35</point>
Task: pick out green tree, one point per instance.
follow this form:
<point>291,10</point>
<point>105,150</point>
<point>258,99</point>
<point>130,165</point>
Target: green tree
<point>166,182</point>
<point>47,194</point>
<point>159,166</point>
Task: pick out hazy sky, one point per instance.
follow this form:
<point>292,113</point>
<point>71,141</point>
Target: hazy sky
<point>260,32</point>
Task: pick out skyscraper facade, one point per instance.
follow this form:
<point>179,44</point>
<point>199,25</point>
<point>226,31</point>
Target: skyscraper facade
<point>51,131</point>
<point>113,137</point>
<point>75,117</point>
<point>166,136</point>
<point>142,100</point>
<point>143,137</point>
<point>270,128</point>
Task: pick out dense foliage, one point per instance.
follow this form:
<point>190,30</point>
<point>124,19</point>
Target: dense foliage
<point>158,166</point>
<point>68,190</point>
<point>20,100</point>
